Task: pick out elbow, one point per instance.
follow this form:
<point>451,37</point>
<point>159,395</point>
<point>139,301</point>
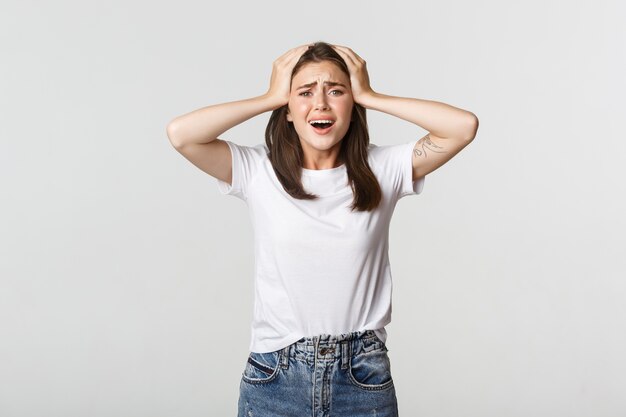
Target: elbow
<point>472,127</point>
<point>173,134</point>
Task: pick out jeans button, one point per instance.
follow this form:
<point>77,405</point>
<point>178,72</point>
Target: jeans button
<point>325,350</point>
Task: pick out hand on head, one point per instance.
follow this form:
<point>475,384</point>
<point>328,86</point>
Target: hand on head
<point>359,78</point>
<point>280,82</point>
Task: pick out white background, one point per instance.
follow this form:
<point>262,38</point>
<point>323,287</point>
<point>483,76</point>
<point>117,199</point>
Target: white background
<point>126,278</point>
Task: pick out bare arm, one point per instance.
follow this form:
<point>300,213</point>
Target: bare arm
<point>450,128</point>
<point>440,119</point>
<point>206,124</point>
<point>195,134</point>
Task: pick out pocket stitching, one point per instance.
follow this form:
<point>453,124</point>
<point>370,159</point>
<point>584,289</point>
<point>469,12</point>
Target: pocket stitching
<point>373,387</point>
<point>258,365</point>
<point>262,380</point>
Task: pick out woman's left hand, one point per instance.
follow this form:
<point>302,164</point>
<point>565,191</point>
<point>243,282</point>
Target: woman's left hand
<point>359,79</point>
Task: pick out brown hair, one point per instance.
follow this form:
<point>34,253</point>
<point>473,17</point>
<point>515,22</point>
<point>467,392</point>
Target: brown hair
<point>285,150</point>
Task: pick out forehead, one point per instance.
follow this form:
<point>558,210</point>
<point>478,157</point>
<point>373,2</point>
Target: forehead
<point>324,71</point>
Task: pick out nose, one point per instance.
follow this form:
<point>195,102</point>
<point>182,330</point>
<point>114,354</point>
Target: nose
<point>320,102</point>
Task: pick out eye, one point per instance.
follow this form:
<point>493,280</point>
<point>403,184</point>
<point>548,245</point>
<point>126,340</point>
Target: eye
<point>338,92</point>
<point>304,93</point>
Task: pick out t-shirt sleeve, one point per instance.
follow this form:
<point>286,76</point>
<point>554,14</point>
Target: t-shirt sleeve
<point>395,164</point>
<point>245,162</point>
<point>405,155</point>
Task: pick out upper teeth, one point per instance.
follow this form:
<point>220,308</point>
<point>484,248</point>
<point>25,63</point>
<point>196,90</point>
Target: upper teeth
<point>320,121</point>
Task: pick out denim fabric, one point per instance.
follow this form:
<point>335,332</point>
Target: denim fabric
<point>320,376</point>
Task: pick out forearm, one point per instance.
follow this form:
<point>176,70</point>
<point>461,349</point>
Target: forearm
<point>206,124</point>
<point>438,118</point>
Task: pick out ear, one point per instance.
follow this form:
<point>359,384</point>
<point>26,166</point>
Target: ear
<point>289,118</point>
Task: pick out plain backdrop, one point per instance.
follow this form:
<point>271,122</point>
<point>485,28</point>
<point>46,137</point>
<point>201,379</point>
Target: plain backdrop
<point>126,278</point>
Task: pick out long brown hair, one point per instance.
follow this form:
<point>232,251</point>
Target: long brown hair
<point>285,150</point>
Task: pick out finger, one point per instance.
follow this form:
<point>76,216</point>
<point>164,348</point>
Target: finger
<point>290,53</point>
<point>348,51</point>
<point>300,49</point>
<point>294,52</point>
<point>356,60</point>
<point>349,60</point>
<point>298,52</point>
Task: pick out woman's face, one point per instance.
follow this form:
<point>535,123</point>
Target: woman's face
<point>320,91</point>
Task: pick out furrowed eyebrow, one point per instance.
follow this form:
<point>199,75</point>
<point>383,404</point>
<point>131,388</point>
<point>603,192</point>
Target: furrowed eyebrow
<point>330,83</point>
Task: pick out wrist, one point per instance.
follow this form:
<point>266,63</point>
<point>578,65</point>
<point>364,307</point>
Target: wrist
<point>368,100</point>
<point>274,102</point>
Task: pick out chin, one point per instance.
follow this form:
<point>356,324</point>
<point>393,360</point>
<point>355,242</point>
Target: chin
<point>321,143</point>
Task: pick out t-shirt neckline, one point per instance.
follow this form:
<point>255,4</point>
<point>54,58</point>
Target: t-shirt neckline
<point>322,172</point>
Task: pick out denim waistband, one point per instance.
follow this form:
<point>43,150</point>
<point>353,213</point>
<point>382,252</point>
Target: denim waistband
<point>327,347</point>
<point>305,342</point>
<point>313,343</point>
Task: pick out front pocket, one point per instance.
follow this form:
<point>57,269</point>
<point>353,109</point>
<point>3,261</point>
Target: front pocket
<point>261,367</point>
<point>372,370</point>
<point>266,369</point>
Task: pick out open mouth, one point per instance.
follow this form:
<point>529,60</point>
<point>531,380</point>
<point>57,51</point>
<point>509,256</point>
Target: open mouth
<point>322,126</point>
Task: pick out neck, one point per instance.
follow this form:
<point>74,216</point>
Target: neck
<point>325,159</point>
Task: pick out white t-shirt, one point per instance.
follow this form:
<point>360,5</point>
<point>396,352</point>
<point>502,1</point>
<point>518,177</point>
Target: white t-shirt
<point>319,268</point>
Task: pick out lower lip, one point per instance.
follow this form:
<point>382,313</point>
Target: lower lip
<point>322,131</point>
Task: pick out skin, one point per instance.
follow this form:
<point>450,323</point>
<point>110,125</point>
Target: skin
<point>450,129</point>
<point>196,135</point>
<point>317,101</point>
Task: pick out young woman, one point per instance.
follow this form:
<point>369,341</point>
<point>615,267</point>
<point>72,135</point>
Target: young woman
<point>321,198</point>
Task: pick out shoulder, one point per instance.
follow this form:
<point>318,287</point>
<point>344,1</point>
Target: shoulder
<point>379,154</point>
<point>248,152</point>
<point>258,149</point>
<point>393,166</point>
<point>247,161</point>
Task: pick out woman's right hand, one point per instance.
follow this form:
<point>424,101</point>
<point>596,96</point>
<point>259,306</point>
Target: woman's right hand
<point>280,82</point>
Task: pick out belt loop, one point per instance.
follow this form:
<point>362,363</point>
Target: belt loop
<point>284,357</point>
<point>345,354</point>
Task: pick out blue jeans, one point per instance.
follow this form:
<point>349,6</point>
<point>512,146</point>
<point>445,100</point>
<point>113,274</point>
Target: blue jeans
<point>320,376</point>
